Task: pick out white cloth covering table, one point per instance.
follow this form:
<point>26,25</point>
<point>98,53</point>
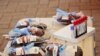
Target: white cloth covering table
<point>86,42</point>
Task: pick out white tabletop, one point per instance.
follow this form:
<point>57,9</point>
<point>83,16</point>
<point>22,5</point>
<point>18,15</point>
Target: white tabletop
<point>61,31</point>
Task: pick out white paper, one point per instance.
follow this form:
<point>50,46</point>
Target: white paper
<point>19,51</point>
<point>65,17</point>
<point>33,50</point>
<point>26,39</point>
<point>55,50</point>
<point>32,38</point>
<point>19,40</point>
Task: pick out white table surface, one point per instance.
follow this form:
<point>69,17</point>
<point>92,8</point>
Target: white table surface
<point>66,34</point>
<point>52,24</point>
